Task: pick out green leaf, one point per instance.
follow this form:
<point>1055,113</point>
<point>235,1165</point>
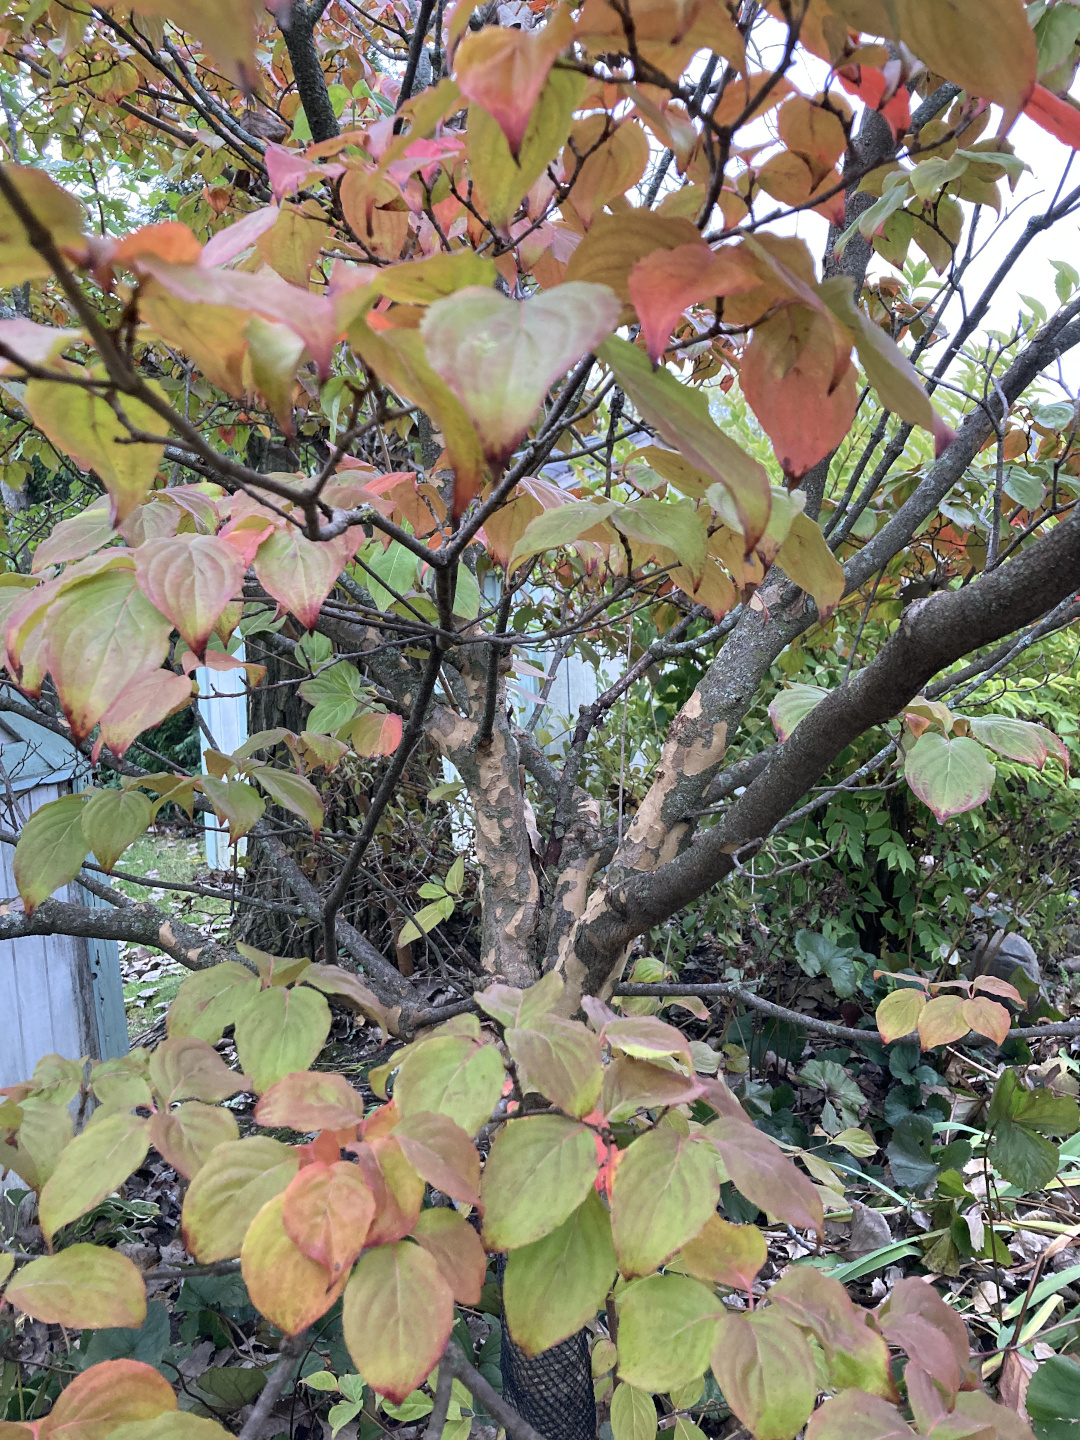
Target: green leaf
<point>83,425</point>
<point>665,1189</point>
<point>793,705</point>
<point>96,1163</point>
<point>853,1415</point>
<point>817,953</point>
<point>230,1190</point>
<point>50,850</point>
<point>502,180</point>
<point>112,820</point>
<point>451,1075</point>
<point>667,1325</point>
<point>501,356</point>
<point>675,525</point>
<point>1023,1156</point>
<point>633,1414</point>
<point>83,1287</point>
<point>766,1370</point>
<point>681,416</point>
<point>294,793</point>
<point>557,1284</point>
<point>807,559</point>
<point>560,1059</point>
<point>886,366</point>
<point>763,1173</point>
<point>563,525</point>
<point>236,804</point>
<point>280,1031</point>
<point>909,1153</point>
<point>211,999</point>
<point>949,775</point>
<point>539,1171</point>
<point>1053,1399</point>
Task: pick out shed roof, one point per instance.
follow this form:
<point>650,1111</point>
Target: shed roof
<point>32,755</point>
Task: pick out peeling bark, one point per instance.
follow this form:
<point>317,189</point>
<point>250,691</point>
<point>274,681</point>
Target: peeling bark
<point>509,890</point>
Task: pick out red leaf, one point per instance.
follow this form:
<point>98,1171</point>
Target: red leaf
<point>789,377</point>
<point>1056,115</point>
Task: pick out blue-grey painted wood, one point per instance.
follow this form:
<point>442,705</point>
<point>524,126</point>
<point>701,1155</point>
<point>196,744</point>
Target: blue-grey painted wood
<point>58,994</point>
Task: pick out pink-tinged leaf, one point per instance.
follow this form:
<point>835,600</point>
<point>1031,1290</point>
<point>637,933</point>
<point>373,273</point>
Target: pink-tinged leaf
<point>75,538</point>
<point>950,776</point>
<point>760,1170</point>
<point>898,1014</point>
<point>245,534</point>
<point>141,706</point>
<point>724,1254</point>
<point>310,316</point>
<point>375,733</point>
<point>287,1287</point>
<point>190,578</point>
<point>287,171</point>
<point>767,1371</point>
<point>300,573</point>
<point>1021,740</point>
<point>501,356</point>
<point>102,634</point>
<point>36,344</point>
<point>456,1249</point>
<point>793,705</point>
<point>187,1136</point>
<point>667,282</point>
<point>987,1017</point>
<point>855,1415</point>
<point>1057,115</point>
<point>227,244</point>
<point>503,70</point>
<point>397,1317</point>
<point>993,986</point>
<point>442,1153</point>
<point>171,240</point>
<point>311,1100</point>
<point>327,1212</point>
<point>790,378</point>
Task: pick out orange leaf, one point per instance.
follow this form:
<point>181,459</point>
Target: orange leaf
<point>327,1212</point>
<point>101,1399</point>
<point>284,1284</point>
<point>504,70</point>
<point>943,1021</point>
<point>666,282</point>
<point>1056,114</point>
<point>987,1017</point>
<point>755,93</point>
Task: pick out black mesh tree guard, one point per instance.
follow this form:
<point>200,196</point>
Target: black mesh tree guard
<point>552,1390</point>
